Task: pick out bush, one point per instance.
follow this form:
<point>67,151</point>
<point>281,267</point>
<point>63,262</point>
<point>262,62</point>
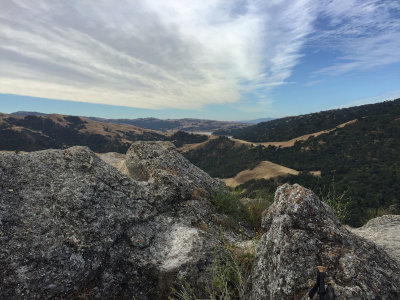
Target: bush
<point>339,203</point>
<point>228,203</point>
<point>256,209</point>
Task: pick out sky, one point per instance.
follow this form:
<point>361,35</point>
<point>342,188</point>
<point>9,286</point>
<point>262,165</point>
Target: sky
<point>209,59</point>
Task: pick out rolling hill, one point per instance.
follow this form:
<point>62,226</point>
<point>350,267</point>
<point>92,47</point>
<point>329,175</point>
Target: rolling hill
<point>291,127</point>
<point>359,161</point>
<point>38,132</point>
<point>185,124</point>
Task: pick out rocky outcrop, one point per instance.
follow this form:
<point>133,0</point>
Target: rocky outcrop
<point>168,174</point>
<point>300,233</point>
<point>72,226</point>
<point>383,231</point>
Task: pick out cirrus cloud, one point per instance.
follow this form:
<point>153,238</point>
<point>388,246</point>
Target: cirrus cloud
<point>184,54</point>
<point>150,54</point>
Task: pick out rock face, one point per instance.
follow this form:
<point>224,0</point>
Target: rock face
<point>72,226</point>
<point>168,174</point>
<point>301,232</point>
<point>383,231</point>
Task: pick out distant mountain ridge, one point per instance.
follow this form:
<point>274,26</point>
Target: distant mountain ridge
<point>39,132</point>
<point>185,124</point>
<point>23,113</point>
<point>27,131</point>
<point>256,121</point>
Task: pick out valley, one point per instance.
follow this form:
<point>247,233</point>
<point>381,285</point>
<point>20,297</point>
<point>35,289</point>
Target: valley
<point>356,159</point>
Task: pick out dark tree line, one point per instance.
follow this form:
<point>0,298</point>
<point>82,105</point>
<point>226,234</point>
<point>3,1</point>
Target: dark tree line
<point>291,127</point>
<point>360,160</point>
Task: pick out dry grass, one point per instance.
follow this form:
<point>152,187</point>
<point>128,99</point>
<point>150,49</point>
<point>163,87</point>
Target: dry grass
<point>282,144</point>
<point>316,173</point>
<point>90,126</point>
<point>264,169</point>
<point>290,143</point>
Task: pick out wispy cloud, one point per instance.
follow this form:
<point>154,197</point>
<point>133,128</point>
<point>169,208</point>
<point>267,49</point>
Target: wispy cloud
<point>150,54</point>
<point>364,34</point>
<point>184,54</point>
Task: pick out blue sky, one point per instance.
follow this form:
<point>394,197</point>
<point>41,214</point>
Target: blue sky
<point>212,59</point>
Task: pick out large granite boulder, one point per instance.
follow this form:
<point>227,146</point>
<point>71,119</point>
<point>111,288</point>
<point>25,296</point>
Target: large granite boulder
<point>383,231</point>
<point>72,226</point>
<point>300,233</point>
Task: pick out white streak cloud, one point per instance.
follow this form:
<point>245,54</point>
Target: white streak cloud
<point>365,34</point>
<point>184,54</point>
<point>150,54</point>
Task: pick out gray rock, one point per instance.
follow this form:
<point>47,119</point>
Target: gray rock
<point>384,231</point>
<point>72,226</point>
<point>169,175</point>
<point>301,232</point>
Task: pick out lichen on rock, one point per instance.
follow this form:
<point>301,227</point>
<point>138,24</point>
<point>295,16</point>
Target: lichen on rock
<point>300,233</point>
<point>73,226</point>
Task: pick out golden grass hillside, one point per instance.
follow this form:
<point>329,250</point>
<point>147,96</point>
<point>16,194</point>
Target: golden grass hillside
<point>264,169</point>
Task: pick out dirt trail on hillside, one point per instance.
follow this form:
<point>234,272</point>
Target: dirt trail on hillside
<point>290,143</point>
<point>264,169</point>
<point>282,144</point>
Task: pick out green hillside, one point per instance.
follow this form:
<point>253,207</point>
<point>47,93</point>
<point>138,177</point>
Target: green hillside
<point>291,127</point>
<point>360,160</point>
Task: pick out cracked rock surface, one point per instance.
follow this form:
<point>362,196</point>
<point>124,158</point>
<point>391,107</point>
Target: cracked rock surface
<point>72,226</point>
<point>300,233</point>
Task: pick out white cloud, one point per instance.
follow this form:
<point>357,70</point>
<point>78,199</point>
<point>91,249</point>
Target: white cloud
<point>150,54</point>
<point>363,34</point>
<point>184,54</point>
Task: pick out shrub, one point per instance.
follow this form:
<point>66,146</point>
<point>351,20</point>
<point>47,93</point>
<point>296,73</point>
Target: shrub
<point>230,273</point>
<point>228,203</point>
<point>339,203</point>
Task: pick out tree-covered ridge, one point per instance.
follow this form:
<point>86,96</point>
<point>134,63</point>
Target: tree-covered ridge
<point>222,158</point>
<point>181,138</point>
<point>291,127</point>
<point>361,160</point>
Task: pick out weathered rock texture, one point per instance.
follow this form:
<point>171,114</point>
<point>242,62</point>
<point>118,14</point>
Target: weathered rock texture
<point>301,232</point>
<point>385,232</point>
<point>168,174</point>
<point>73,226</point>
